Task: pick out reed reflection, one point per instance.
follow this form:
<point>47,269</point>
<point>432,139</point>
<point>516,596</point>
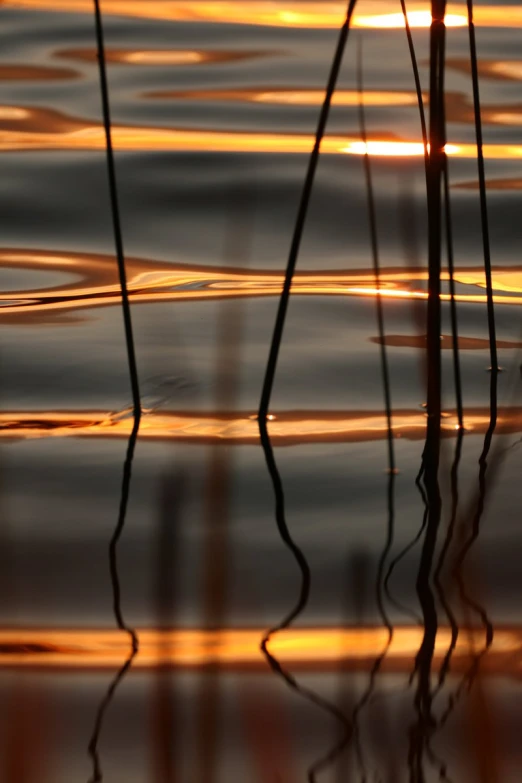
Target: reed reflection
<point>468,584</point>
<point>454,478</point>
<point>165,719</point>
<point>408,222</point>
<point>470,603</point>
<point>97,774</point>
<point>27,739</point>
<point>264,405</point>
<point>238,238</point>
<point>420,731</point>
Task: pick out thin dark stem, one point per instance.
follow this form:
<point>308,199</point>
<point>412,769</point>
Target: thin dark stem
<point>416,76</point>
<point>113,545</point>
<point>409,546</point>
<point>133,372</point>
<point>113,192</point>
<point>420,732</point>
<point>404,551</point>
<point>300,223</point>
<point>118,614</point>
<point>460,419</point>
<point>277,336</point>
<point>266,393</point>
<point>453,301</point>
<point>131,354</point>
<point>483,211</point>
<point>97,774</point>
<point>442,559</point>
<point>483,460</point>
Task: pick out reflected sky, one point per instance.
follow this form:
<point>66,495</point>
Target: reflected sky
<point>289,14</point>
<point>150,281</point>
<point>24,128</point>
<point>30,128</point>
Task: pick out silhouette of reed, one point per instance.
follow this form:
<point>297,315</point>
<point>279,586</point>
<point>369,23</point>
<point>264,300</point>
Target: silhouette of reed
<point>494,369</point>
<point>471,679</point>
<point>464,519</point>
<point>460,434</point>
<point>115,212</point>
<point>97,774</point>
<point>264,406</point>
<point>422,728</point>
<point>478,504</point>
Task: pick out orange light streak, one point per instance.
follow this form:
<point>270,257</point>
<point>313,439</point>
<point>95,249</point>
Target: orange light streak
<point>415,18</point>
<point>37,129</point>
<point>162,57</point>
<point>26,128</point>
<point>507,70</point>
<point>291,97</point>
<point>287,428</point>
<point>269,13</point>
<point>150,281</point>
<point>312,648</point>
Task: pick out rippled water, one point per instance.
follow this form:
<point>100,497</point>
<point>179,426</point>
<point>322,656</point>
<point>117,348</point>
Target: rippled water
<point>214,107</point>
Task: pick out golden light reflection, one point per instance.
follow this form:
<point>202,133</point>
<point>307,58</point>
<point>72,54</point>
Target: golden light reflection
<point>505,117</point>
<point>290,14</point>
<point>45,130</point>
<point>96,284</point>
<point>26,128</point>
<point>446,342</point>
<point>508,70</point>
<point>309,648</point>
<point>503,70</point>
<point>163,56</point>
<point>14,113</point>
<point>400,149</point>
<point>415,19</point>
<point>286,428</point>
<point>507,183</point>
<point>292,97</point>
